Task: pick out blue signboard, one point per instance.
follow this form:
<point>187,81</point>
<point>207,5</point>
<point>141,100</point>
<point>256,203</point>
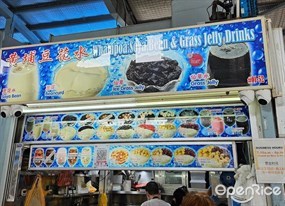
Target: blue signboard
<point>223,55</point>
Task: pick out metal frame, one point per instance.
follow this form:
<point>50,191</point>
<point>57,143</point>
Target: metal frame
<point>9,135</point>
<point>20,25</point>
<point>16,167</point>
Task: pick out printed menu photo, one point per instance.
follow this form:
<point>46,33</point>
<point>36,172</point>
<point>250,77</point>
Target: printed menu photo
<point>210,155</point>
<point>62,156</point>
<point>204,156</point>
<point>224,122</point>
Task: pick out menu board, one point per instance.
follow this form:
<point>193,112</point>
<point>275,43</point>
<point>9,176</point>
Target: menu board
<point>222,55</point>
<point>208,156</point>
<point>165,123</point>
<point>202,156</point>
<point>65,156</point>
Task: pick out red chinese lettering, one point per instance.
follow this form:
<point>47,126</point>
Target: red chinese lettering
<point>13,59</point>
<point>256,79</point>
<point>200,75</point>
<point>118,82</point>
<point>206,76</point>
<point>63,54</point>
<point>48,87</point>
<point>193,77</point>
<point>45,56</point>
<point>261,79</point>
<point>30,57</point>
<point>81,52</point>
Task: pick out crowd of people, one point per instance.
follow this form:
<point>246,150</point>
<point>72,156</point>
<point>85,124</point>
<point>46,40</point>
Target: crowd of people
<point>181,197</point>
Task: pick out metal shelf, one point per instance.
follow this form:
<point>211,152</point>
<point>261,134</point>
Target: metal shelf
<point>95,142</point>
<point>72,195</point>
<point>129,192</point>
<point>135,193</point>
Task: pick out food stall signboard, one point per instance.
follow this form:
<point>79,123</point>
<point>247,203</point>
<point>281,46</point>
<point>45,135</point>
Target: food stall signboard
<point>222,55</point>
<point>186,123</point>
<point>200,156</point>
<point>269,155</point>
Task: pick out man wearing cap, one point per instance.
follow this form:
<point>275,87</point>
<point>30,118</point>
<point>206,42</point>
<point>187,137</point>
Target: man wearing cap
<point>153,195</point>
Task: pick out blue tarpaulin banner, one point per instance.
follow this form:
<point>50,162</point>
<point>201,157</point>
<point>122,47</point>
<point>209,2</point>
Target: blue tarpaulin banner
<point>223,55</point>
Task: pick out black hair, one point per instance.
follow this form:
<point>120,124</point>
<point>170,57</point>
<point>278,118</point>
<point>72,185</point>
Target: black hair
<point>178,195</point>
<point>152,188</point>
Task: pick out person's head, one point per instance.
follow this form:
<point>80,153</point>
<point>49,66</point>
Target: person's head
<point>178,195</point>
<point>197,199</point>
<point>152,189</point>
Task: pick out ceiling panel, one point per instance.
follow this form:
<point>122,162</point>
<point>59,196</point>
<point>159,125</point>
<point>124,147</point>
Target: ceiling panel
<point>277,17</point>
<point>65,13</point>
<point>20,37</point>
<point>16,3</point>
<point>148,10</point>
<point>269,1</point>
<point>75,29</point>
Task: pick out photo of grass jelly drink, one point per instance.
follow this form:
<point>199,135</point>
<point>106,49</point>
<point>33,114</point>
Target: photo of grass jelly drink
<point>230,64</point>
<point>229,116</point>
<point>30,124</point>
<point>205,117</point>
<point>242,123</point>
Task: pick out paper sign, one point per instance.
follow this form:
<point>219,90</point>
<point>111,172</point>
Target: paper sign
<point>269,157</point>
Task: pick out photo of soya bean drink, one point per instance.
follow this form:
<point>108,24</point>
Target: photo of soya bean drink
<point>37,130</point>
<point>205,117</point>
<point>47,124</point>
<point>229,116</point>
<point>54,130</point>
<point>242,123</point>
<point>23,79</point>
<point>230,64</point>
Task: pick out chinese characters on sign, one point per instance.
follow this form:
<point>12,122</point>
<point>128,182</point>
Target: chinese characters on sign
<point>269,157</point>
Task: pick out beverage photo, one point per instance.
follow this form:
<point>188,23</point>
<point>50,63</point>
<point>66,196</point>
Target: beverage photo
<point>205,117</point>
<point>54,130</point>
<point>242,123</point>
<point>218,125</point>
<point>47,124</point>
<point>30,125</point>
<point>229,116</point>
